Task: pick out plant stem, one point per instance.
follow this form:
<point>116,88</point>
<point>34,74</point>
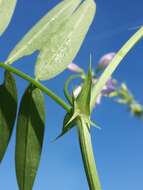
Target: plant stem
<point>67,83</point>
<point>37,84</point>
<point>88,156</point>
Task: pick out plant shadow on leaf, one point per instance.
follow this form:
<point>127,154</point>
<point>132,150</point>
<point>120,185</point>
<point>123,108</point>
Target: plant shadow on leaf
<point>8,108</point>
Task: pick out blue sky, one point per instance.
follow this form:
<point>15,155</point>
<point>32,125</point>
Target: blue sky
<point>118,146</point>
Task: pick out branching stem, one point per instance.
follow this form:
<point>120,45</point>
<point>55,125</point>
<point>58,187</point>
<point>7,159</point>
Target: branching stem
<point>56,98</point>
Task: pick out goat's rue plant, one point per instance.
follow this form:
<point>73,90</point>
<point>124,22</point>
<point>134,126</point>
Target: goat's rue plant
<point>58,37</point>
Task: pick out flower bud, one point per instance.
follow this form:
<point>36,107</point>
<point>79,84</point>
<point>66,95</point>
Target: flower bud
<point>136,109</point>
<point>75,68</point>
<point>77,91</point>
<point>105,60</point>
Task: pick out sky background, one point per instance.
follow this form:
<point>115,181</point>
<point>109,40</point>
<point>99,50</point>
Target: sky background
<point>118,147</point>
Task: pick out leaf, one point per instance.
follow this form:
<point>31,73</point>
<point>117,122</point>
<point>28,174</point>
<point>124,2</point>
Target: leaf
<point>7,8</point>
<point>83,99</point>
<point>8,108</point>
<point>43,31</point>
<point>66,127</point>
<point>80,106</point>
<point>114,64</point>
<point>94,124</point>
<point>62,48</point>
<point>29,137</point>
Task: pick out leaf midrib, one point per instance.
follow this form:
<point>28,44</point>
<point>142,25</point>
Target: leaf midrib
<point>26,139</point>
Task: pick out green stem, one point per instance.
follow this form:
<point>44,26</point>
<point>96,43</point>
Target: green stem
<point>37,84</point>
<point>88,156</point>
<point>67,83</point>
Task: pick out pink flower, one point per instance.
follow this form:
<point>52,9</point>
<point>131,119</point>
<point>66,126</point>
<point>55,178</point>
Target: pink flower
<point>75,68</point>
<point>109,87</point>
<point>105,60</point>
<point>98,99</point>
<point>77,91</point>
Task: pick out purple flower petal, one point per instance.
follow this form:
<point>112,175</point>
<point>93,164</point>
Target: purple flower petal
<point>109,87</point>
<point>77,91</point>
<point>75,68</point>
<point>105,60</point>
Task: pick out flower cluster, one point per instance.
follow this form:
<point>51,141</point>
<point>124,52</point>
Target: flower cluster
<point>103,63</point>
<point>112,88</point>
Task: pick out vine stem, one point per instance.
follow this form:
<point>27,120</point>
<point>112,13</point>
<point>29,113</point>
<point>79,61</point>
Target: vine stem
<point>51,94</point>
<point>67,83</point>
<point>88,156</point>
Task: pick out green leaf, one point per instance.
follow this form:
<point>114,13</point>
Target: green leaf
<point>7,8</point>
<point>62,48</point>
<point>80,106</point>
<point>8,108</point>
<point>43,31</point>
<point>29,137</point>
<point>94,124</point>
<point>66,127</point>
<point>83,99</point>
<point>114,64</point>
